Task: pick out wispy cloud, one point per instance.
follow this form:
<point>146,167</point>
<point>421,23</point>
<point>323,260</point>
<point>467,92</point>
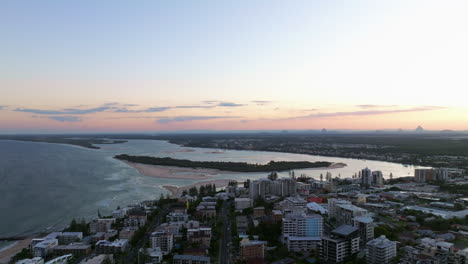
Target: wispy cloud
<point>193,106</point>
<point>214,103</point>
<point>61,118</point>
<point>2,107</point>
<point>68,111</point>
<point>229,104</point>
<point>371,112</point>
<point>369,106</point>
<point>191,118</point>
<point>260,102</point>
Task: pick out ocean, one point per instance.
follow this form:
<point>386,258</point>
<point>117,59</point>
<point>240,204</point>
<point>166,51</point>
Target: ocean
<point>43,186</point>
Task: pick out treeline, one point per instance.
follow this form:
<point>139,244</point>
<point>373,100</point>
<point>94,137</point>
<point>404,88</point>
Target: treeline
<point>204,190</point>
<point>226,166</point>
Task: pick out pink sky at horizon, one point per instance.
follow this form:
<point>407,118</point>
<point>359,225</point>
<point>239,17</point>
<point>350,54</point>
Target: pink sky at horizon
<point>227,65</point>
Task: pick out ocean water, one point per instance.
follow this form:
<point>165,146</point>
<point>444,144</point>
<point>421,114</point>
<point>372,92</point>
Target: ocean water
<point>43,186</point>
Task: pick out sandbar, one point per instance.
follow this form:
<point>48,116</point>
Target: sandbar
<point>174,172</point>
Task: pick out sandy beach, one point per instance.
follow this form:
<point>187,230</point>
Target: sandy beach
<point>7,253</point>
<point>177,191</point>
<point>174,172</point>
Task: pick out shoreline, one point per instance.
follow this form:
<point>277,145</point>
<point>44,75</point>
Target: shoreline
<point>176,191</point>
<point>170,172</point>
<point>10,251</point>
<point>182,173</point>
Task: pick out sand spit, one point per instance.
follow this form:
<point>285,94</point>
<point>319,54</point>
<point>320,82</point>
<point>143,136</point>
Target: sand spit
<point>174,172</point>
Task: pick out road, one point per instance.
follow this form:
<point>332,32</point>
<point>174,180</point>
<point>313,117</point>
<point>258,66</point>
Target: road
<point>225,240</point>
<point>132,255</point>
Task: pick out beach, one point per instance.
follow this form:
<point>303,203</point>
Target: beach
<point>177,191</point>
<point>174,172</point>
<point>8,252</point>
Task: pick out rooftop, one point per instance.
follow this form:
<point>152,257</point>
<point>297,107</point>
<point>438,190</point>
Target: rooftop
<point>381,242</point>
<point>364,219</point>
<point>344,230</point>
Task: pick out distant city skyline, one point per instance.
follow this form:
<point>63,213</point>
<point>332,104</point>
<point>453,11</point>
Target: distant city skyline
<point>118,66</point>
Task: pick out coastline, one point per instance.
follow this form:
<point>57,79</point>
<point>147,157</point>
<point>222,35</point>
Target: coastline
<point>170,172</point>
<point>10,251</point>
<point>176,191</point>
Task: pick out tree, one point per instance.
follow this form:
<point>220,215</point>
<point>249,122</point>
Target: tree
<point>459,206</point>
<point>273,176</point>
<point>247,184</point>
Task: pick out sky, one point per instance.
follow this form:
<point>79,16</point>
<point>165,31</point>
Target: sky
<point>147,66</point>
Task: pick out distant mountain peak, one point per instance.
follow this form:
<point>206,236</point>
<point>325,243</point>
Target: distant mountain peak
<point>419,129</point>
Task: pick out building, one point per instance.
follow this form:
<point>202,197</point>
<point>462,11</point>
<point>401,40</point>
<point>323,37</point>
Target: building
<point>365,226</point>
<point>136,218</point>
<point>99,259</point>
<point>301,232</point>
<point>177,218</point>
<point>127,233</point>
<point>189,259</point>
<point>101,225</point>
<point>332,206</point>
<point>154,255</point>
<point>366,177</point>
<point>302,244</point>
<point>120,213</point>
<point>276,215</point>
<point>75,250</point>
<point>380,250</point>
<point>242,224</point>
<point>377,179</point>
<point>36,260</point>
<point>294,204</point>
<point>116,246</point>
<point>343,242</point>
<point>302,225</point>
<point>259,212</point>
<point>66,238</point>
<point>283,187</point>
<point>426,175</point>
<point>252,249</point>
<point>201,236</point>
<point>346,212</point>
<point>60,260</point>
<point>206,209</point>
<point>163,240</point>
<point>44,248</point>
<point>243,203</point>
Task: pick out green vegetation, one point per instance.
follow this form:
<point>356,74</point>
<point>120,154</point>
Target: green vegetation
<point>226,166</point>
<point>77,140</point>
<point>82,226</point>
<point>23,254</point>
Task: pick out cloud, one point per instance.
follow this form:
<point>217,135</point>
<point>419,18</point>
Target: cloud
<point>3,107</point>
<point>210,102</point>
<point>371,112</point>
<point>229,104</point>
<point>260,102</point>
<point>61,118</point>
<point>167,120</point>
<point>367,106</point>
<point>214,103</point>
<point>194,106</point>
<point>69,111</point>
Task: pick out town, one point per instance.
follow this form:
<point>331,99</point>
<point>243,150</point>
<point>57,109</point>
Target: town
<point>296,219</point>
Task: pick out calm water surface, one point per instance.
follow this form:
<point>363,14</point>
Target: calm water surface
<point>46,185</point>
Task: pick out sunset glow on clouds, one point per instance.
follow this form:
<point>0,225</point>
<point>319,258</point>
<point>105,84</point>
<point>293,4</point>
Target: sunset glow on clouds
<point>225,65</point>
